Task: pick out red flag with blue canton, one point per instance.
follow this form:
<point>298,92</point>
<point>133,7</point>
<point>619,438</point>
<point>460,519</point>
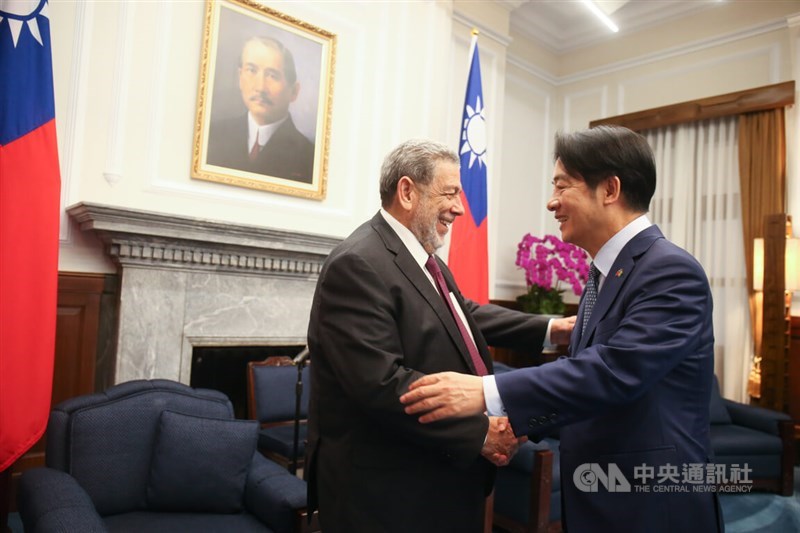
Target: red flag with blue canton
<point>30,186</point>
<point>469,254</point>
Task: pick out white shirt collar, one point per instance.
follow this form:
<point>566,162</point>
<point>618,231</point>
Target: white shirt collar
<point>409,240</point>
<point>262,133</point>
<point>605,258</point>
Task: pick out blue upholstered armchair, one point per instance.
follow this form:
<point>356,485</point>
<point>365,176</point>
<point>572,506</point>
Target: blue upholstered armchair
<point>762,439</point>
<point>272,401</point>
<point>527,492</point>
<point>156,455</point>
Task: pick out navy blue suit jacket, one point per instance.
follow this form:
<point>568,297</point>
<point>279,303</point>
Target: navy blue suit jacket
<point>635,391</point>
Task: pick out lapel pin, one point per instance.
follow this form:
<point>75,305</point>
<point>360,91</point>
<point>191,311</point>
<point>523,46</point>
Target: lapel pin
<point>619,273</point>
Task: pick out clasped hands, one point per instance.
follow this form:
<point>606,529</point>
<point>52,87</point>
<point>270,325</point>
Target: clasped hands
<point>450,394</point>
<point>501,444</point>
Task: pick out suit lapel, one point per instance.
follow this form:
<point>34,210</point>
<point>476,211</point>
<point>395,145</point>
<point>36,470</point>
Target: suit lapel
<point>480,342</point>
<point>411,270</point>
<point>621,270</point>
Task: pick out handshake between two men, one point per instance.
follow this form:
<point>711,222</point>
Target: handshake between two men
<point>501,443</point>
<point>451,394</point>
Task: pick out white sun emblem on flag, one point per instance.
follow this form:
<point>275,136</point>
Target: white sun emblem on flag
<point>21,12</point>
<point>473,134</point>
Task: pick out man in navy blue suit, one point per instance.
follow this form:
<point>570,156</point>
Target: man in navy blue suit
<point>632,399</point>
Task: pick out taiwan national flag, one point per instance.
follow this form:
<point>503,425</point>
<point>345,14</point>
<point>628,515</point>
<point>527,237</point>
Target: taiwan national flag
<point>29,214</point>
<point>469,254</point>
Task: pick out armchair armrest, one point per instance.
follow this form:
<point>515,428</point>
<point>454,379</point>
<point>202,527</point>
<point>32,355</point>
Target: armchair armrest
<point>274,495</point>
<point>754,417</point>
<point>53,501</point>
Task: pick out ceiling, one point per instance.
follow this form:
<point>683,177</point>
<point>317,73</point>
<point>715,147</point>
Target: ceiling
<point>565,25</point>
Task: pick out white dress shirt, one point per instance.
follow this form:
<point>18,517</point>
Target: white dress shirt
<point>262,133</point>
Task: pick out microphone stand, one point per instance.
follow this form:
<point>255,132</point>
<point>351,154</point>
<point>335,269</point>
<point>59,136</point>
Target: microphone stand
<point>300,363</point>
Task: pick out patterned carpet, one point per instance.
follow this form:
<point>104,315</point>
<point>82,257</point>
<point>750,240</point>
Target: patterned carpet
<point>761,512</point>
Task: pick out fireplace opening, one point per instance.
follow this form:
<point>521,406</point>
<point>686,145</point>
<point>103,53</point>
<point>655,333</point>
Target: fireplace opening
<point>224,368</point>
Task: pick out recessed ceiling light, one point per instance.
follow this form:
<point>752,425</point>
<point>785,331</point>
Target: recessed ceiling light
<point>601,15</point>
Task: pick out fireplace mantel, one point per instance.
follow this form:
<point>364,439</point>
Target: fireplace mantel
<point>143,238</point>
<point>189,282</point>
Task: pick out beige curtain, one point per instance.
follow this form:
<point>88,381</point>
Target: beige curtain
<point>697,204</point>
<point>762,171</point>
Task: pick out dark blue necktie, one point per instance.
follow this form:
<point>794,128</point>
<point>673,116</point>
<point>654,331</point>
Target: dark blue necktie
<point>591,295</point>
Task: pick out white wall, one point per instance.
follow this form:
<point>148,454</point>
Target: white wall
<point>733,47</point>
<point>126,80</point>
<point>126,84</point>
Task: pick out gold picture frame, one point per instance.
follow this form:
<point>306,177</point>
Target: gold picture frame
<point>246,84</point>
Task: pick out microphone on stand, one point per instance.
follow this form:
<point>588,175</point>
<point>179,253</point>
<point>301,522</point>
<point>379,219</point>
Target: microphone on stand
<point>299,361</point>
<point>301,357</point>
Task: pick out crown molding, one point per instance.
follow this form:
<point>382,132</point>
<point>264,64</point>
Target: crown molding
<point>661,55</point>
<point>504,40</point>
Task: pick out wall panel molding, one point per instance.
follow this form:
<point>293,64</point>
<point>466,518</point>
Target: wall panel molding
<point>158,87</point>
<point>115,158</point>
<point>74,116</point>
<point>547,135</point>
<point>602,91</point>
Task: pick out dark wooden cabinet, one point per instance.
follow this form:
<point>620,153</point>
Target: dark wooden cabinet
<point>794,369</point>
<point>519,359</point>
<point>794,379</point>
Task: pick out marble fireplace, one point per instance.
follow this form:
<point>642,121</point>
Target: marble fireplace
<point>189,282</point>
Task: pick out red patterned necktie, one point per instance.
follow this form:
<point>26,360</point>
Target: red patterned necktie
<point>255,149</point>
<point>436,272</point>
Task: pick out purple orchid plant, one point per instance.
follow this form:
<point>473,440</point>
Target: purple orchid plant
<point>547,263</point>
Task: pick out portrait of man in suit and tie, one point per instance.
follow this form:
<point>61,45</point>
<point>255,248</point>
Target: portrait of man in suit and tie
<point>264,140</point>
<point>265,94</point>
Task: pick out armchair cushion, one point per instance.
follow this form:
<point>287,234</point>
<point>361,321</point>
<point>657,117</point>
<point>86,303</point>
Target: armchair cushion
<point>200,464</point>
<point>280,439</point>
<point>273,494</point>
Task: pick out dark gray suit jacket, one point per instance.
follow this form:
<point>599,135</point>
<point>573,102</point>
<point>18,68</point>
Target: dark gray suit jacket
<point>377,324</point>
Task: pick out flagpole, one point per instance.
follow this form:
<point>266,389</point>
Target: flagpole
<point>473,43</point>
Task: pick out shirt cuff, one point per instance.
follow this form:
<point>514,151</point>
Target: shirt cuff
<point>494,405</point>
<point>547,343</point>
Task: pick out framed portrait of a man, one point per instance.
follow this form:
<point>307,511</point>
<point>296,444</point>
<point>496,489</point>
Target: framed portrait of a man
<point>264,100</point>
